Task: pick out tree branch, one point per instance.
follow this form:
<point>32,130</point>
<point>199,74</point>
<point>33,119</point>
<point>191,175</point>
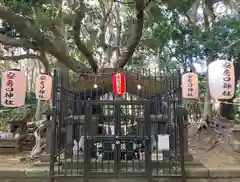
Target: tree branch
<point>103,27</point>
<point>40,41</point>
<point>119,30</point>
<point>19,57</point>
<point>45,62</point>
<point>80,13</point>
<point>23,26</point>
<point>233,44</point>
<point>6,40</point>
<point>28,30</point>
<point>137,33</point>
<point>42,57</point>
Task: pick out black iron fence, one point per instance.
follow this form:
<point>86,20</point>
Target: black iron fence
<point>98,135</point>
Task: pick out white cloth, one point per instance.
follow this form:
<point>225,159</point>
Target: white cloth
<point>110,129</point>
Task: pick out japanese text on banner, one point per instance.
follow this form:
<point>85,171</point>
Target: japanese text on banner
<point>9,89</point>
<point>42,87</point>
<point>190,85</point>
<point>227,80</point>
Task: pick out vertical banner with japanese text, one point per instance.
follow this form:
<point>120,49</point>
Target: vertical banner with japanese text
<point>13,89</point>
<point>43,87</point>
<point>190,86</point>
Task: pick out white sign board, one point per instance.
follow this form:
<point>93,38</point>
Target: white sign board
<point>163,142</point>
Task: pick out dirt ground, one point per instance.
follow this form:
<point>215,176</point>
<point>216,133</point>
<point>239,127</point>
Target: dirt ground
<point>13,160</point>
<point>213,150</point>
<point>220,156</point>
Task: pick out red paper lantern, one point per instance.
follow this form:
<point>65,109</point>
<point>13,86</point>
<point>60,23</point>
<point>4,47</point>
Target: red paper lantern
<point>43,88</point>
<point>119,84</point>
<point>13,90</point>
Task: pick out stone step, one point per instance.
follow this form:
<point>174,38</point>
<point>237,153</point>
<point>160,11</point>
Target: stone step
<point>193,164</point>
<point>230,139</point>
<point>188,157</point>
<point>9,150</point>
<point>68,164</point>
<point>109,164</point>
<point>41,164</point>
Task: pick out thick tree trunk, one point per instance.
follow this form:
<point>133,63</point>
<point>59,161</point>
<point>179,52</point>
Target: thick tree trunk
<point>207,109</point>
<point>38,114</point>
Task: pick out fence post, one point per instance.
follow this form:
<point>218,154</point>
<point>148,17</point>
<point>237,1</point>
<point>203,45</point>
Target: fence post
<point>185,124</point>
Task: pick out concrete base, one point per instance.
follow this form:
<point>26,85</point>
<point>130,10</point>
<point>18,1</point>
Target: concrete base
<point>63,179</point>
<point>45,157</point>
<point>9,146</point>
<point>78,157</point>
<point>192,175</point>
<point>236,145</point>
<point>234,140</point>
<point>188,157</point>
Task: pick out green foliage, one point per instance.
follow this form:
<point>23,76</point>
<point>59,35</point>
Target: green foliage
<point>8,114</point>
<point>237,104</point>
<point>24,6</point>
<point>168,37</point>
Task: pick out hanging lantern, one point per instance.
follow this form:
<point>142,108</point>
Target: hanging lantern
<point>13,90</point>
<point>43,88</point>
<point>221,80</point>
<point>119,83</point>
<point>190,86</point>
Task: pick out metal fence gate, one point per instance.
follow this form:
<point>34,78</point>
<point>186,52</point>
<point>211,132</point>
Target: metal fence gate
<point>119,150</point>
<point>98,135</point>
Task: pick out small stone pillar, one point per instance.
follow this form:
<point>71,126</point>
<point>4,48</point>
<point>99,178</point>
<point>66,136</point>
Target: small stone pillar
<point>234,138</point>
<point>185,134</point>
<point>45,156</point>
<point>69,142</point>
<point>187,156</point>
<point>236,132</point>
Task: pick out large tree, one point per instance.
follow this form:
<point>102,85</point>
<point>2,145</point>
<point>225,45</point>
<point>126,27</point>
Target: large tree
<point>74,31</point>
<point>101,36</point>
<point>82,34</point>
<point>92,37</point>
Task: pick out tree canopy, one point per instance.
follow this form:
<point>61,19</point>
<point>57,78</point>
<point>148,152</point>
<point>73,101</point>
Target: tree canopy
<point>74,32</point>
<point>100,36</point>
